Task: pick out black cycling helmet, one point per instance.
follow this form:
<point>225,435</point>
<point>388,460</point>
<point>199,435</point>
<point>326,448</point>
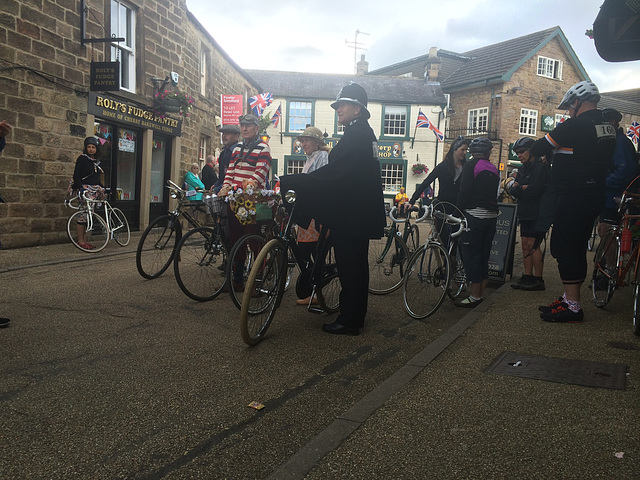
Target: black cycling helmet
<point>524,142</point>
<point>91,141</point>
<point>480,146</point>
<point>611,114</point>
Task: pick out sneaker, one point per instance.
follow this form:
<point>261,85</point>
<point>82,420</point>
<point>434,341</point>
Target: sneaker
<point>524,281</point>
<point>537,284</point>
<point>556,303</point>
<point>4,322</point>
<point>562,314</point>
<point>468,303</point>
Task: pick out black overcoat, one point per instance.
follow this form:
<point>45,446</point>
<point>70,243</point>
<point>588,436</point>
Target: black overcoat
<point>345,195</point>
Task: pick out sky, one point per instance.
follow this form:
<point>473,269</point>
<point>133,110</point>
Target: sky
<point>318,37</point>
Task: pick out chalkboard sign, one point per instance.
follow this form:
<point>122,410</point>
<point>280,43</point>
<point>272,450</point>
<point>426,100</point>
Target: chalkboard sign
<point>504,242</point>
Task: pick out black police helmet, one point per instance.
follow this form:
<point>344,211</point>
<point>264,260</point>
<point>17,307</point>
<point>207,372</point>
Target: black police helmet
<point>353,93</point>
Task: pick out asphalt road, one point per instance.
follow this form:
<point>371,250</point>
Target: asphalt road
<point>107,375</point>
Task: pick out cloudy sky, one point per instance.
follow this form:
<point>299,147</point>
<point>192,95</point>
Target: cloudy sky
<point>318,37</point>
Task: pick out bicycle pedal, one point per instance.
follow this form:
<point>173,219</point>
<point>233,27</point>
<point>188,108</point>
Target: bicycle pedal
<point>315,309</point>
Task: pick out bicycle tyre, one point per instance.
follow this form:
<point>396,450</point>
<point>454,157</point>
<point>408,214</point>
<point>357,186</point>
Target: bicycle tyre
<point>263,291</point>
<point>157,246</point>
<point>195,263</point>
<point>242,255</point>
<point>636,309</point>
<point>388,257</point>
<point>120,227</point>
<point>329,288</point>
<point>593,238</point>
<point>97,235</point>
<point>604,279</point>
<point>426,280</point>
<point>413,239</point>
<point>458,282</point>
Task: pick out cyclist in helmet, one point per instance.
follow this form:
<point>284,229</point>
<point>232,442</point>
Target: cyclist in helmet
<point>581,149</point>
<point>478,200</point>
<point>529,187</point>
<point>86,179</point>
<point>625,164</point>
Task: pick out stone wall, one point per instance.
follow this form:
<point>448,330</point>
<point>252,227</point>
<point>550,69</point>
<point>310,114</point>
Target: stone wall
<point>44,86</point>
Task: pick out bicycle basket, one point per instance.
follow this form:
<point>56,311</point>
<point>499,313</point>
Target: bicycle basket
<point>214,204</point>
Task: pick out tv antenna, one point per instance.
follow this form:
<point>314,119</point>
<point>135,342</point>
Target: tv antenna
<point>356,46</point>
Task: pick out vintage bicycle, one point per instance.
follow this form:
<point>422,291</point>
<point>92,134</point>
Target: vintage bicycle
<point>428,274</point>
<point>112,224</point>
<point>617,257</point>
<point>268,277</point>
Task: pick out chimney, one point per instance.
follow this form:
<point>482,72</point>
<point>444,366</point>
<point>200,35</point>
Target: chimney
<point>362,67</point>
<point>432,67</point>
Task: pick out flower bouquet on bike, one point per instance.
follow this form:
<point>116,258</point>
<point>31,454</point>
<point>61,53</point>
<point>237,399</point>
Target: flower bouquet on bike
<point>252,205</point>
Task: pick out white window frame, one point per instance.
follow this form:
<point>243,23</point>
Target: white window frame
<point>549,68</point>
<point>203,71</point>
<point>294,166</point>
<point>528,123</point>
<point>392,174</point>
<point>123,25</point>
<point>395,120</point>
<point>478,120</point>
<point>202,150</point>
<point>297,121</point>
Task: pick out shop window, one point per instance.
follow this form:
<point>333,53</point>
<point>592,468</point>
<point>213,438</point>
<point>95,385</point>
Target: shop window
<point>392,175</point>
<point>294,166</point>
<point>126,164</point>
<point>123,25</point>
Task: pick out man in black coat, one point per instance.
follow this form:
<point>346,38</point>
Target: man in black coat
<point>353,173</point>
<point>209,176</point>
<point>230,137</point>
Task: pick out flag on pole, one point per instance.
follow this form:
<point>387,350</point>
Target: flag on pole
<point>423,122</point>
<point>275,119</point>
<point>634,132</point>
<point>260,102</point>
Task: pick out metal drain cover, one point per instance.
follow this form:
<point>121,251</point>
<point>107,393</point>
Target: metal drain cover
<point>561,370</point>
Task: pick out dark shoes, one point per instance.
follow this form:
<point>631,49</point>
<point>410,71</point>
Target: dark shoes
<point>556,303</point>
<point>4,322</point>
<point>338,329</point>
<point>529,283</point>
<point>468,302</point>
<point>562,314</point>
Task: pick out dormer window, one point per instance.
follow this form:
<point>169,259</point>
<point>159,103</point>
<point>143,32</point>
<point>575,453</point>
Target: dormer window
<point>550,68</point>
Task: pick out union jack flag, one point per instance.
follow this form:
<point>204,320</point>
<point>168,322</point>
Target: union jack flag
<point>423,122</point>
<point>275,119</point>
<point>634,132</point>
<point>260,102</point>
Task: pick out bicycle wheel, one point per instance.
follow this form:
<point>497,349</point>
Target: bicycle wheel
<point>120,227</point>
<point>97,234</point>
<point>263,291</point>
<point>157,246</point>
<point>426,280</point>
<point>593,239</point>
<point>604,280</point>
<point>239,264</point>
<point>388,257</point>
<point>413,239</point>
<point>196,261</point>
<point>329,288</point>
<point>636,309</point>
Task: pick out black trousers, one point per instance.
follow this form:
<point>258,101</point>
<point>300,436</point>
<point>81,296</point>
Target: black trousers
<point>352,258</point>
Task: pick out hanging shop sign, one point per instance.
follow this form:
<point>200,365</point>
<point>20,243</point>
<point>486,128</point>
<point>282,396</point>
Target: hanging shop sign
<point>120,111</point>
<point>105,76</point>
<point>386,150</point>
<point>231,109</point>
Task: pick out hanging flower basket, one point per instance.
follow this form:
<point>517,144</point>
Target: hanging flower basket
<point>418,168</point>
<point>172,102</point>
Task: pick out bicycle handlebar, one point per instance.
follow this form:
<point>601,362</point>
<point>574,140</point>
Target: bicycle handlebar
<point>393,218</point>
<point>431,212</point>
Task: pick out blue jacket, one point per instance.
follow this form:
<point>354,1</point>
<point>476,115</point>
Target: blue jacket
<point>193,182</point>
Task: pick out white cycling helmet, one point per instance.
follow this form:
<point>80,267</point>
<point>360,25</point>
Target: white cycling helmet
<point>583,91</point>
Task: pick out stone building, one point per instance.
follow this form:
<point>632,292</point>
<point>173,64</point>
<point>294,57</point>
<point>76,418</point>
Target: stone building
<point>505,91</point>
<point>47,54</point>
<point>305,99</point>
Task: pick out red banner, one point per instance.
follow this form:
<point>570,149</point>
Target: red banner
<point>231,109</point>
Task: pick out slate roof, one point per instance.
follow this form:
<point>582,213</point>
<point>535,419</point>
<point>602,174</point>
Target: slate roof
<point>326,86</point>
<point>499,61</point>
<point>625,101</point>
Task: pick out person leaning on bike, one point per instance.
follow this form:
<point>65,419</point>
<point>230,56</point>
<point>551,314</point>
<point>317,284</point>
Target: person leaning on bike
<point>581,149</point>
<point>353,169</point>
<point>528,188</point>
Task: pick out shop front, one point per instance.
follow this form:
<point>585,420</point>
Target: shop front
<point>136,154</point>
